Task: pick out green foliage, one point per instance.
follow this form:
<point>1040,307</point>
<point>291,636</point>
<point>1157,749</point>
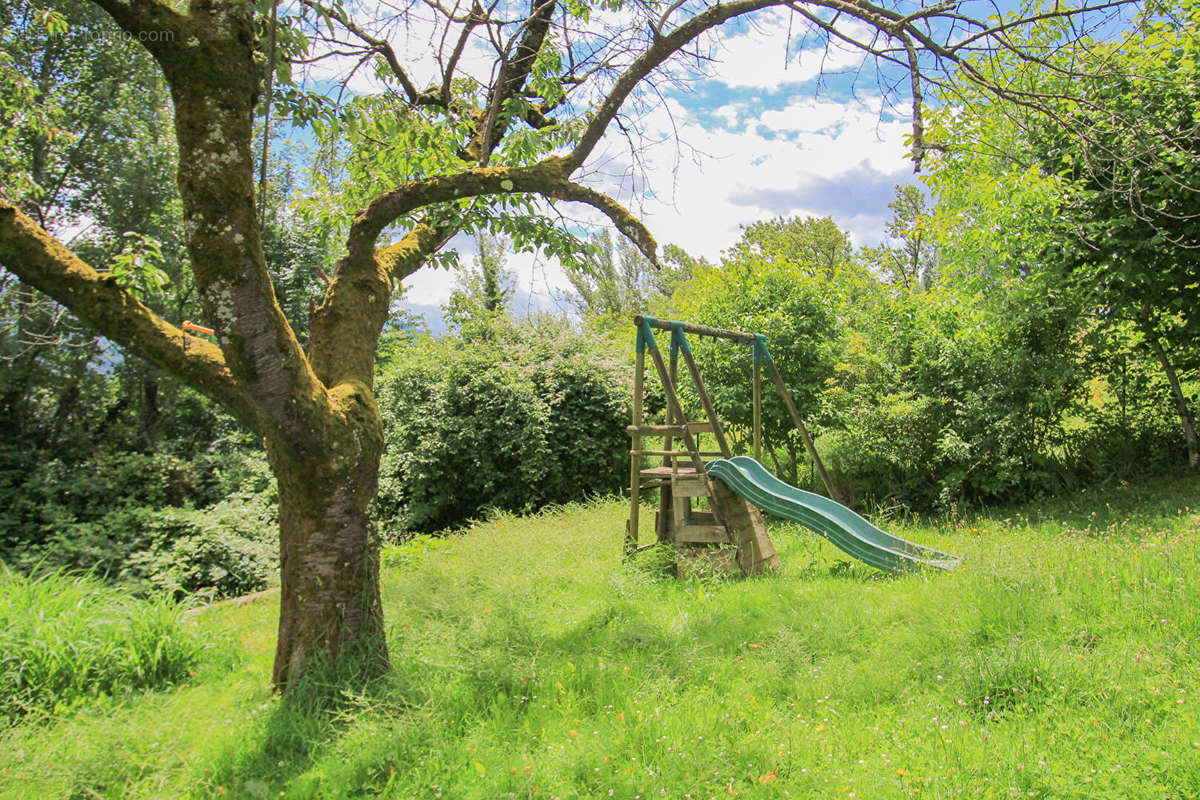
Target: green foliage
<point>768,284</point>
<point>949,397</point>
<point>136,266</point>
<point>225,550</point>
<point>531,414</point>
<point>1100,197</point>
<point>130,518</point>
<point>614,279</point>
<point>484,290</point>
<point>68,641</point>
<point>299,247</point>
<point>909,260</point>
<point>814,243</point>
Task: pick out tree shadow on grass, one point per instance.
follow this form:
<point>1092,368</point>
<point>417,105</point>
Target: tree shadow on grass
<point>349,734</point>
<point>274,758</point>
<point>1129,509</point>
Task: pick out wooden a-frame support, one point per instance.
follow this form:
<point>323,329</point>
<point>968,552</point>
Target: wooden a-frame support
<point>697,535</point>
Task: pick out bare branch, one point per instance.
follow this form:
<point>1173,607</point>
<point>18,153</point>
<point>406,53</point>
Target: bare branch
<point>473,19</point>
<point>380,46</point>
<point>662,49</point>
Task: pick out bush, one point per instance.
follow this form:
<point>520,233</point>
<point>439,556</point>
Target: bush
<point>225,550</point>
<point>40,498</point>
<point>528,416</point>
<point>123,517</point>
<point>951,398</point>
<point>64,640</point>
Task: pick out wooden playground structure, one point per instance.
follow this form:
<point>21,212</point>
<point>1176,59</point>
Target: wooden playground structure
<point>729,536</point>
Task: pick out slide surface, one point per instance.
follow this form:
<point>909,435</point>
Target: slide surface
<point>846,529</point>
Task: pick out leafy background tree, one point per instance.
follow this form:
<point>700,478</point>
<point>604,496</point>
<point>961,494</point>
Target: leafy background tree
<point>1108,214</point>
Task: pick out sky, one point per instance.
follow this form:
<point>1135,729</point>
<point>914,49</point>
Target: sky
<point>775,127</point>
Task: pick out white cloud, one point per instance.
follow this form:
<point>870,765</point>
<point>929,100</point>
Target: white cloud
<point>748,172</point>
<point>772,52</point>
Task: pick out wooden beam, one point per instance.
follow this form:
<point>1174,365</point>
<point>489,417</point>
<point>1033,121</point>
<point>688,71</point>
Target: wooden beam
<point>706,401</point>
<point>665,519</point>
<point>808,442</point>
<point>698,330</point>
<point>702,534</point>
<point>659,430</point>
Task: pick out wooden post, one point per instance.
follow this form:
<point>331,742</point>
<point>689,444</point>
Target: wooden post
<point>666,500</point>
<point>635,462</point>
<point>808,442</point>
<point>757,411</point>
<point>706,401</point>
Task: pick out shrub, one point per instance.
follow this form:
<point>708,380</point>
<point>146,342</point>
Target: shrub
<point>527,416</point>
<point>224,550</point>
<point>64,640</point>
<point>951,397</point>
<point>123,517</point>
<point>36,500</point>
<point>227,550</point>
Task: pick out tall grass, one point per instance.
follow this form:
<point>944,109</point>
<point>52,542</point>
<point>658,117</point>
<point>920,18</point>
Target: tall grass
<point>65,639</point>
<point>530,661</point>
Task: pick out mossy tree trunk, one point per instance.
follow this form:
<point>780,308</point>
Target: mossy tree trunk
<point>329,568</point>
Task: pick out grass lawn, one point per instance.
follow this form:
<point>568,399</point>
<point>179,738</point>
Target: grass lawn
<point>1062,660</point>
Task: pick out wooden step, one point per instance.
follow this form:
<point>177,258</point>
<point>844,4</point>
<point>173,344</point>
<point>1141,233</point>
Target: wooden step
<point>702,534</point>
<point>669,472</point>
<point>668,430</point>
<point>684,481</point>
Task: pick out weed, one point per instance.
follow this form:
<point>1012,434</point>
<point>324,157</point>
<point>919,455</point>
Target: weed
<point>66,640</point>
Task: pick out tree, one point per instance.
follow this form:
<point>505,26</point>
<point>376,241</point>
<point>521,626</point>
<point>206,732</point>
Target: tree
<point>1107,204</point>
<point>813,243</point>
<point>484,290</point>
<point>614,278</point>
<point>102,169</point>
<point>405,168</point>
<point>794,280</point>
<point>913,263</point>
<point>798,312</point>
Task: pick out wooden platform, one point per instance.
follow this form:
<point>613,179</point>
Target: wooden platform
<point>668,472</point>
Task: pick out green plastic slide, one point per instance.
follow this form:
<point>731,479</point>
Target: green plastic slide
<point>846,529</point>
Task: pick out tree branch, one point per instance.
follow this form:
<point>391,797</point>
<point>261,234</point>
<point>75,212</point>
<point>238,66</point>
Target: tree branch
<point>99,301</point>
<point>150,17</point>
<point>547,178</point>
<point>514,73</point>
<point>383,48</point>
<point>210,69</point>
<point>662,49</point>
